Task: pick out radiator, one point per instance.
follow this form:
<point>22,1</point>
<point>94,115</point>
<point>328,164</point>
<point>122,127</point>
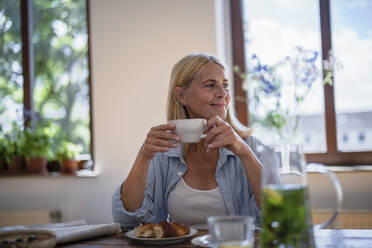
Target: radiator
<point>346,219</point>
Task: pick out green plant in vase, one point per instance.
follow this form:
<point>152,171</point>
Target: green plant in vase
<point>56,136</point>
<point>3,149</point>
<point>66,155</point>
<point>3,165</point>
<point>37,148</point>
<point>14,142</point>
<point>277,92</point>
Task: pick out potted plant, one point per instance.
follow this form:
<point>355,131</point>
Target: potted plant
<point>66,155</point>
<point>36,148</point>
<point>13,141</point>
<point>3,164</point>
<point>56,135</point>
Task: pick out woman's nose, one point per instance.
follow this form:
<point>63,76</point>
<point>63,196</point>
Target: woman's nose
<point>221,91</point>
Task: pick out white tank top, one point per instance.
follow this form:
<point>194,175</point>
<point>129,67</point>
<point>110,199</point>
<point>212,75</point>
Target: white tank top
<point>192,207</point>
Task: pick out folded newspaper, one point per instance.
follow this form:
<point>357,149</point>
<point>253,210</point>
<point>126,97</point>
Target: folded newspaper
<point>72,231</point>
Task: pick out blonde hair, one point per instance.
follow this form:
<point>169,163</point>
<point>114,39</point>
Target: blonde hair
<point>183,73</point>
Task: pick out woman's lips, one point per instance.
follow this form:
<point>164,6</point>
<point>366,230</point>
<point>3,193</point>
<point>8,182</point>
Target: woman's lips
<point>218,105</point>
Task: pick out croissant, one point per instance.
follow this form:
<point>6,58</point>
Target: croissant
<point>162,230</point>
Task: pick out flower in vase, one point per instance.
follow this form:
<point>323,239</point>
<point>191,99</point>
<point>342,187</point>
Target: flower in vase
<point>277,92</point>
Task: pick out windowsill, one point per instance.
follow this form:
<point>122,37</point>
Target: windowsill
<point>337,169</point>
<point>24,173</point>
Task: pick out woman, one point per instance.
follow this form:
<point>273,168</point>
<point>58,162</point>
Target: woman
<point>220,175</point>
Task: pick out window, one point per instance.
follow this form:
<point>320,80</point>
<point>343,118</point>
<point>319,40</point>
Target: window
<point>334,125</point>
<point>44,67</point>
<point>351,24</point>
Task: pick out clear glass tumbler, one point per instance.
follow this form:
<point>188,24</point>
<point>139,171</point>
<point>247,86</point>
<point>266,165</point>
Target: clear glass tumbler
<point>231,231</point>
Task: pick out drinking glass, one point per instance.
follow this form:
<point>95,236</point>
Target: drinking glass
<point>231,231</point>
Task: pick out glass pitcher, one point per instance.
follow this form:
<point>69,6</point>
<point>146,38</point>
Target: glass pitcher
<point>286,217</point>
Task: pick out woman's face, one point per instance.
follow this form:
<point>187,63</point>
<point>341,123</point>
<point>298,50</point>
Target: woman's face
<point>208,94</point>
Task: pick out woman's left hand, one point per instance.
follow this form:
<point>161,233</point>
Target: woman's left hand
<point>221,134</point>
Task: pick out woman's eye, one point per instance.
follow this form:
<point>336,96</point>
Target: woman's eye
<point>212,84</point>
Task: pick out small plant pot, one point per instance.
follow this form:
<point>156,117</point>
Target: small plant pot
<point>37,165</point>
<point>69,166</point>
<point>54,166</point>
<point>17,164</point>
<point>3,164</point>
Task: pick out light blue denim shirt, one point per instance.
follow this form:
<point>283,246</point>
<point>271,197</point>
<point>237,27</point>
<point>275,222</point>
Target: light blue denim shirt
<point>167,168</point>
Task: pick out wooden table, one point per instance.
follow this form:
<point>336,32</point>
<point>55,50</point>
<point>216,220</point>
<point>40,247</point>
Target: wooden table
<point>326,238</point>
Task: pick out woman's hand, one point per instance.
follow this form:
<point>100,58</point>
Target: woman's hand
<point>159,139</point>
<point>221,134</point>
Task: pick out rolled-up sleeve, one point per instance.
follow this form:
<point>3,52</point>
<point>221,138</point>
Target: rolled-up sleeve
<point>255,211</point>
<point>268,158</point>
<point>270,161</point>
<point>129,219</point>
<point>124,217</point>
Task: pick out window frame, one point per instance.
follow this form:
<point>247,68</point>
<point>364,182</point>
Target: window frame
<point>332,156</point>
<point>28,65</point>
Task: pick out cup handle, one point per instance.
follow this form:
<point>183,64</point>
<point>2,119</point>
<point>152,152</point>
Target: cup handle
<point>339,194</point>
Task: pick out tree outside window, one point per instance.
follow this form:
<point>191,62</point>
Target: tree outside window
<point>60,89</point>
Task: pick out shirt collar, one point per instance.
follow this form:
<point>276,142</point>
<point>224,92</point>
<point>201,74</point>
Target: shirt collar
<point>175,152</point>
<point>178,152</point>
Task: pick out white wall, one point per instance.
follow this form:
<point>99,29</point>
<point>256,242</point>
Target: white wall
<point>134,45</point>
<point>356,187</point>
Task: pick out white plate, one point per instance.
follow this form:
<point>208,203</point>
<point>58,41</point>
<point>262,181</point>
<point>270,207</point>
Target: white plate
<point>202,241</point>
<point>160,241</point>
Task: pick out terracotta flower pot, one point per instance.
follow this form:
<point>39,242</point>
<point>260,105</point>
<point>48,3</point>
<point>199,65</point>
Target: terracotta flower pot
<point>37,165</point>
<point>69,166</point>
<point>17,164</point>
<point>3,164</point>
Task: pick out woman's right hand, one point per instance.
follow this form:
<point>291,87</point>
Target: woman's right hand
<point>159,139</point>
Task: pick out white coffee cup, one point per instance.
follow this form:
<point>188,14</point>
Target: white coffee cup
<point>189,130</point>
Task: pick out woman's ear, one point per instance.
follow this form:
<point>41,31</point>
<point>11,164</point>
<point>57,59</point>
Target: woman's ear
<point>180,95</point>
